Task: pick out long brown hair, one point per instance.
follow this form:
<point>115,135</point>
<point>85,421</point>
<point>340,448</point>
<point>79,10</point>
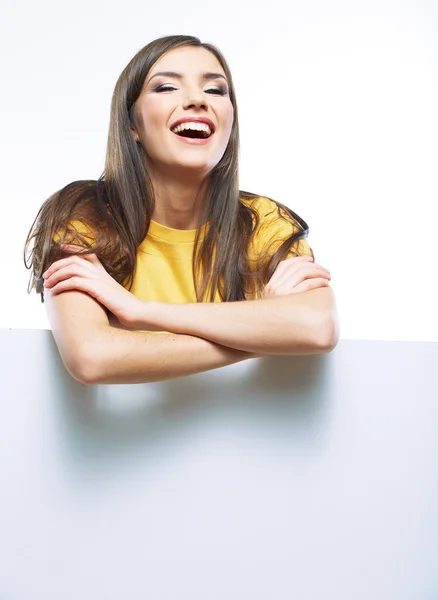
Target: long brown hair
<point>116,209</point>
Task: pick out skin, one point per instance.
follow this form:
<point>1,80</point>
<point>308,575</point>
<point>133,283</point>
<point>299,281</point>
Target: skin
<point>96,322</point>
<point>179,168</point>
<point>293,276</point>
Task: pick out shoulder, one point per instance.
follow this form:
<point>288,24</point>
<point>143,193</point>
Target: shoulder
<point>69,216</point>
<point>274,224</point>
<point>82,188</point>
<point>270,213</point>
<point>268,209</point>
<point>76,207</point>
<point>82,205</point>
<point>76,202</point>
<point>260,205</point>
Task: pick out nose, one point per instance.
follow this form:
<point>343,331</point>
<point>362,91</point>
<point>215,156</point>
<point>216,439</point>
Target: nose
<point>195,98</point>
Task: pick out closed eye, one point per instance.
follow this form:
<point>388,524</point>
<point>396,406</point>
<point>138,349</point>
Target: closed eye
<point>219,91</point>
<point>164,88</point>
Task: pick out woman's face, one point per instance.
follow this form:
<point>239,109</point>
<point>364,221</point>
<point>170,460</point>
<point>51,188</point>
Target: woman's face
<point>184,115</point>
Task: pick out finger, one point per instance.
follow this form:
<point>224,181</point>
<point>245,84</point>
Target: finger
<point>304,286</point>
<point>313,270</point>
<point>311,284</point>
<point>293,260</point>
<point>299,258</point>
<point>62,262</point>
<point>303,271</point>
<point>72,248</point>
<point>91,257</point>
<point>81,284</point>
<point>294,275</point>
<point>66,272</point>
<point>285,264</point>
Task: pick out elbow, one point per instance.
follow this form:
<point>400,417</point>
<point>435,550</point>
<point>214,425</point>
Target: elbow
<point>85,374</point>
<point>84,365</point>
<point>327,335</point>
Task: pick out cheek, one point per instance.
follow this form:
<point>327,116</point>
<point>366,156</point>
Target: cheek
<point>228,118</point>
<point>229,115</point>
<point>150,119</point>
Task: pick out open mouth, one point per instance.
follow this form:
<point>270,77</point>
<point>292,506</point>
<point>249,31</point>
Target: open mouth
<point>193,130</point>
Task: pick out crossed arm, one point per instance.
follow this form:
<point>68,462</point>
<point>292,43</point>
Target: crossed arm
<point>202,336</point>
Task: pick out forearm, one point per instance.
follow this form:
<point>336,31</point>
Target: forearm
<point>120,356</point>
<point>94,351</point>
<point>294,324</point>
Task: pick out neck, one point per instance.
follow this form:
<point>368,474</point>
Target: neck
<point>178,201</point>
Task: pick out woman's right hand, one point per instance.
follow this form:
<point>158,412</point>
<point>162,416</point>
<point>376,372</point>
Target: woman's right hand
<point>295,275</point>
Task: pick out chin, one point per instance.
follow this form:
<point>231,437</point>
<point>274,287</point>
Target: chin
<point>198,167</point>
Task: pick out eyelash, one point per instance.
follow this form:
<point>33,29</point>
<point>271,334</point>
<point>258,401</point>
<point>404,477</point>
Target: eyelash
<point>216,91</point>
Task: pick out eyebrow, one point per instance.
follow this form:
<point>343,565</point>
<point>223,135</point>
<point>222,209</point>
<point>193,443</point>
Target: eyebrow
<point>173,74</point>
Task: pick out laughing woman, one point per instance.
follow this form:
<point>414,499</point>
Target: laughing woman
<point>162,267</point>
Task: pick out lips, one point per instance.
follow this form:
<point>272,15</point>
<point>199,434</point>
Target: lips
<point>194,119</point>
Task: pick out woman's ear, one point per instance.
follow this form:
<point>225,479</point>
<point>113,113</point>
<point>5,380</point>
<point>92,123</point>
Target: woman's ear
<point>135,135</point>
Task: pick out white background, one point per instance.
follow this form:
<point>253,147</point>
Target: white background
<point>338,112</point>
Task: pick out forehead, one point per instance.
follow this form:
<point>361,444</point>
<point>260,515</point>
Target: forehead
<point>188,60</point>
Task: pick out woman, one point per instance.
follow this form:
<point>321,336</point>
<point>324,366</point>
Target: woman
<point>166,242</point>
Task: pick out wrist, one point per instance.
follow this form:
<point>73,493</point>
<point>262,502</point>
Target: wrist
<point>152,316</point>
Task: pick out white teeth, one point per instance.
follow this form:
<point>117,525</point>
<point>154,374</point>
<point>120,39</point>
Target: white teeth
<point>193,126</point>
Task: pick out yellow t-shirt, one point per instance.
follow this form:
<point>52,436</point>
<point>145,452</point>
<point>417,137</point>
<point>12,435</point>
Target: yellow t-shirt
<point>164,267</point>
<point>165,257</point>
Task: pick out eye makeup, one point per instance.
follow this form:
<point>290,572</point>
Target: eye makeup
<point>166,87</point>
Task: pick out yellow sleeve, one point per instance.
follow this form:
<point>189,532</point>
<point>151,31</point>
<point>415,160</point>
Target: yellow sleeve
<point>76,232</point>
<point>273,230</point>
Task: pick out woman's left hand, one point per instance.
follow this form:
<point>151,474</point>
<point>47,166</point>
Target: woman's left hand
<point>85,273</point>
<point>295,275</point>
